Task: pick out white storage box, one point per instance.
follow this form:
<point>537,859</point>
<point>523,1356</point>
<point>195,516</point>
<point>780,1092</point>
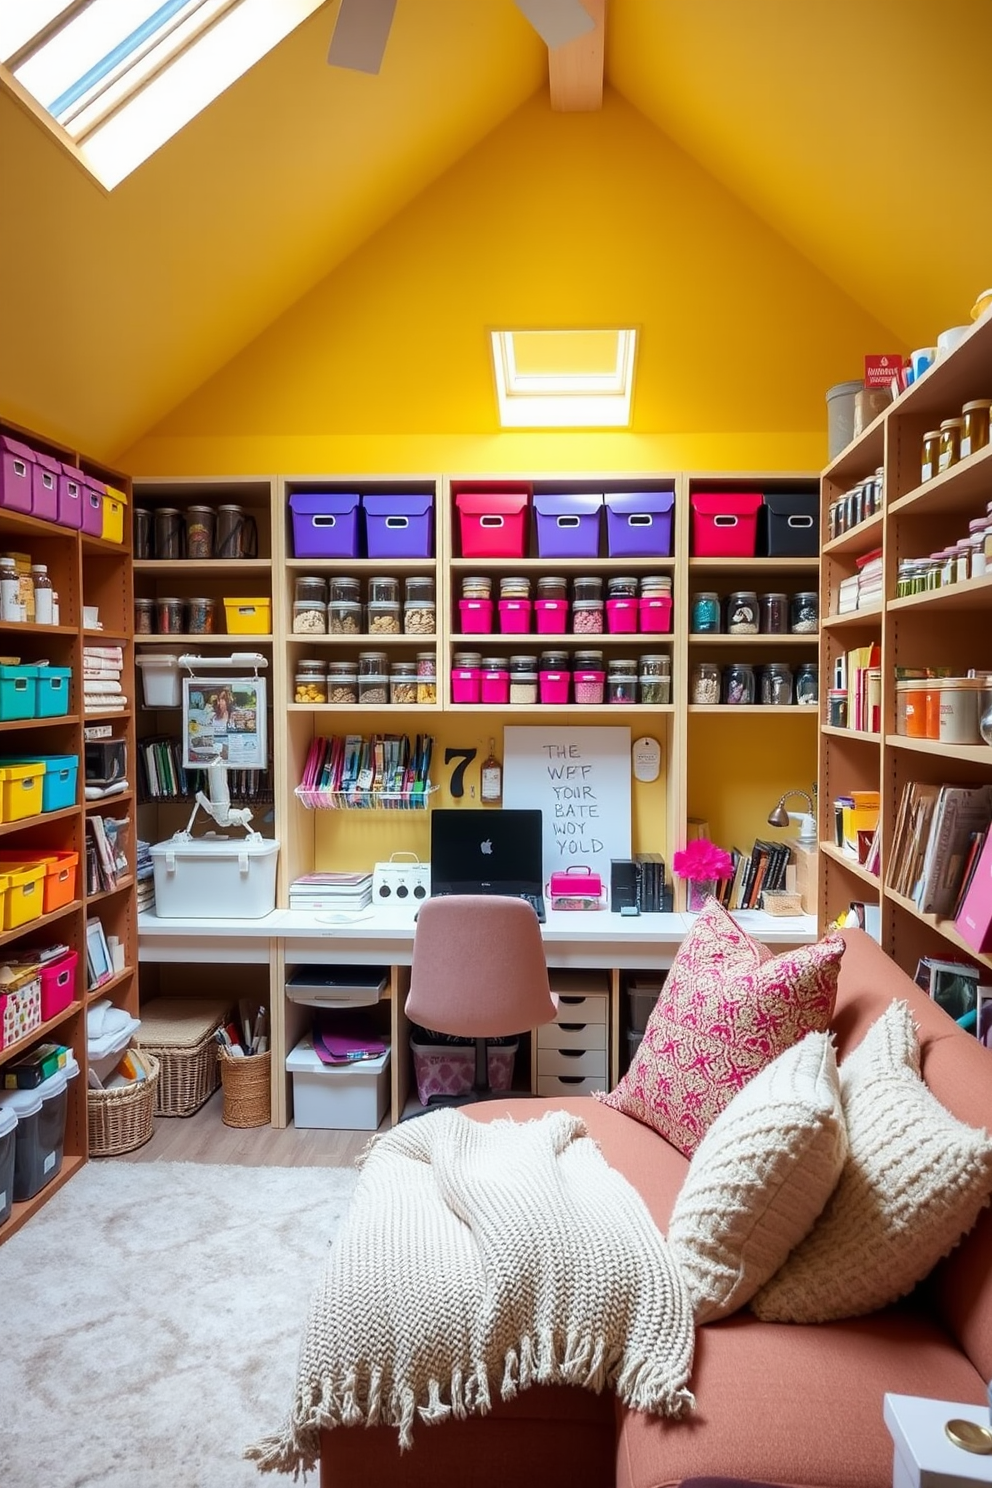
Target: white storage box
<point>215,877</point>
<point>160,680</point>
<point>345,1097</point>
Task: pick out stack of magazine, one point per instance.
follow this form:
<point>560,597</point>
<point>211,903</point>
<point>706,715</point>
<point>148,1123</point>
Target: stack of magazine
<point>343,892</point>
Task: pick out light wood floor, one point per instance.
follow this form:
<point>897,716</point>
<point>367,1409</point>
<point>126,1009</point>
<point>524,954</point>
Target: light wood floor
<point>204,1138</point>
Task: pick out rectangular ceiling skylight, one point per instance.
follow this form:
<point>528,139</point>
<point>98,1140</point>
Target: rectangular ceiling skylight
<point>564,378</point>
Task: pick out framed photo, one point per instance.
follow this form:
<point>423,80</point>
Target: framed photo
<point>99,962</point>
<point>224,722</point>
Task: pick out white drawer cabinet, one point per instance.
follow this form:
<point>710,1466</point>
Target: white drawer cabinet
<point>555,1085</point>
<point>571,1062</point>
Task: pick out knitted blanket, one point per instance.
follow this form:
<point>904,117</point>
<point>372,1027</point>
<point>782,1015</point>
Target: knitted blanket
<point>476,1260</point>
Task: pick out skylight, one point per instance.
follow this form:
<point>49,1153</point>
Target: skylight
<point>564,378</point>
<point>117,78</point>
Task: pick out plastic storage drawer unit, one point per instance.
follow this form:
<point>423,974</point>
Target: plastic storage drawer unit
<point>725,525</point>
<point>325,524</point>
<point>639,524</point>
<point>346,1097</point>
<point>492,524</point>
<point>568,525</point>
<point>18,692</point>
<point>399,526</point>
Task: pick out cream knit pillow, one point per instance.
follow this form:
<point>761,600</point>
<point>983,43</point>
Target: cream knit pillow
<point>759,1178</point>
<point>913,1184</point>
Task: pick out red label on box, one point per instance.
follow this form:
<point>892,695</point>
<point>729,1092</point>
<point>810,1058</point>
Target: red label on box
<point>880,370</point>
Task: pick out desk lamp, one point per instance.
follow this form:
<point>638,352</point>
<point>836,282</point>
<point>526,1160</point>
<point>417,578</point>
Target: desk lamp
<point>779,817</point>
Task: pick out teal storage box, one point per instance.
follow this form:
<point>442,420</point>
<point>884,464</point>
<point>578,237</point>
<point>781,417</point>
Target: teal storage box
<point>58,788</point>
<point>53,691</point>
<point>18,692</point>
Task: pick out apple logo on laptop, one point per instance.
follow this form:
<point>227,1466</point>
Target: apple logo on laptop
<point>487,846</point>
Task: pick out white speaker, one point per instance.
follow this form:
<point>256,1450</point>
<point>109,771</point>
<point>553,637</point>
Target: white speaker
<point>401,885</point>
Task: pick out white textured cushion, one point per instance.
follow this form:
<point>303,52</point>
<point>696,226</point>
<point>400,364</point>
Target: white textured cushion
<point>759,1178</point>
<point>913,1184</point>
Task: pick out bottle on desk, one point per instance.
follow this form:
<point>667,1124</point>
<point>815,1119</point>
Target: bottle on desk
<point>491,788</point>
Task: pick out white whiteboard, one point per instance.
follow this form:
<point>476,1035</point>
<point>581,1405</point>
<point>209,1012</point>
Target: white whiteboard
<point>579,778</point>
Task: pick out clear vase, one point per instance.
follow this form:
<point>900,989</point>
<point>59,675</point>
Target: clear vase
<point>700,890</point>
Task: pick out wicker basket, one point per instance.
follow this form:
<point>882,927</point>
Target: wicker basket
<point>247,1096</point>
<point>121,1120</point>
<point>180,1033</point>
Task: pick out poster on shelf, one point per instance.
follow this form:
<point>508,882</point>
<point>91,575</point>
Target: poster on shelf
<point>224,722</point>
<point>579,778</point>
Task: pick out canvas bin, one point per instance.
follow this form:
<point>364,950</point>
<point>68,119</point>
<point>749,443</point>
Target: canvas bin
<point>492,524</point>
<point>639,524</point>
<point>179,1032</point>
<point>725,524</point>
<point>121,1119</point>
<point>789,525</point>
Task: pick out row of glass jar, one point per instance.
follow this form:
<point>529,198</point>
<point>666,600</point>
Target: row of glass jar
<point>956,439</point>
<point>174,616</point>
<point>739,684</point>
<point>373,680</point>
<point>585,587</point>
<point>334,606</point>
<point>856,505</point>
<point>746,613</point>
<point>551,680</point>
<point>968,558</point>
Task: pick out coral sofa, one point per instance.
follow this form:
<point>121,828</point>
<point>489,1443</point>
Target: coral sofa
<point>797,1404</point>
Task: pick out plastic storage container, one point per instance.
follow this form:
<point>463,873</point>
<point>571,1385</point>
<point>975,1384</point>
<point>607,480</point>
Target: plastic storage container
<point>567,524</point>
<point>399,526</point>
<point>325,524</point>
<point>475,616</point>
<point>45,487</point>
<point>790,525</point>
<point>58,984</point>
<point>18,692</point>
<point>492,524</point>
<point>16,474</point>
<point>21,789</point>
<point>725,524</point>
<point>248,616</point>
<point>53,691</point>
<point>8,1142</point>
<point>160,681</point>
<point>58,782</point>
<point>215,877</point>
<point>515,616</point>
<point>639,524</point>
<point>345,1097</point>
<point>40,1131</point>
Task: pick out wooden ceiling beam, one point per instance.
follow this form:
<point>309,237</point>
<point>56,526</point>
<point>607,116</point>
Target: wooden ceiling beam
<point>575,70</point>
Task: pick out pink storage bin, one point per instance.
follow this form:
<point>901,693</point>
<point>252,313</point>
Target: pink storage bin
<point>58,986</point>
<point>725,524</point>
<point>45,487</point>
<point>16,474</point>
<point>93,493</point>
<point>514,616</point>
<point>493,524</point>
<point>551,616</point>
<point>71,489</point>
<point>449,1069</point>
<point>621,616</point>
<point>466,685</point>
<point>589,686</point>
<point>655,614</point>
<point>495,687</point>
<point>553,686</point>
<point>476,616</point>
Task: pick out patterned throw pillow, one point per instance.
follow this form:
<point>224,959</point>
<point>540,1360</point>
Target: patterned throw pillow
<point>913,1184</point>
<point>759,1178</point>
<point>726,1009</point>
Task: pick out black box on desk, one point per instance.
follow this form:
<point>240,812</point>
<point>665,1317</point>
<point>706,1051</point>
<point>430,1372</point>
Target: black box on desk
<point>625,884</point>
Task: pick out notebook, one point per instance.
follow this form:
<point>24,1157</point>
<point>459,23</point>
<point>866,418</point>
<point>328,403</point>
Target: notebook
<point>488,852</point>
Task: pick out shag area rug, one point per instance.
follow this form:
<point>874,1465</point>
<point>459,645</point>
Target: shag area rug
<point>152,1315</point>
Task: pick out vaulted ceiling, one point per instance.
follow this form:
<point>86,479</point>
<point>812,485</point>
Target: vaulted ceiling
<point>858,130</point>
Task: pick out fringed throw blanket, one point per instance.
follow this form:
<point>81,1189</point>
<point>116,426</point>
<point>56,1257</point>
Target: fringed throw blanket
<point>476,1260</point>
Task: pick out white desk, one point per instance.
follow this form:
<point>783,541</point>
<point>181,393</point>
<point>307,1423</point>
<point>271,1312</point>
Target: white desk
<point>578,940</point>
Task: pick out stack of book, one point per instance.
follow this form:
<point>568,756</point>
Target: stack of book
<point>102,668</point>
<point>162,776</point>
<point>650,882</point>
<point>937,843</point>
<point>144,873</point>
<point>764,867</point>
<point>344,892</point>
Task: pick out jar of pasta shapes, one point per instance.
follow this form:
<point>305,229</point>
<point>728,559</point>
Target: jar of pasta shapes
<point>704,687</point>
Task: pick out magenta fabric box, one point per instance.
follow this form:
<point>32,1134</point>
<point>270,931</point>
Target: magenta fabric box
<point>639,524</point>
<point>974,921</point>
<point>72,486</point>
<point>325,524</point>
<point>16,474</point>
<point>45,487</point>
<point>93,494</point>
<point>568,525</point>
<point>399,526</point>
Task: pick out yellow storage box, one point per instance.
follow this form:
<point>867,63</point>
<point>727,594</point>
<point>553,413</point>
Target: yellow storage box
<point>23,895</point>
<point>21,788</point>
<point>248,616</point>
<point>114,507</point>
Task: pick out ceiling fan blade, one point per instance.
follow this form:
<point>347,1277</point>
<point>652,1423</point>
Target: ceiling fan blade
<point>557,22</point>
<point>360,34</point>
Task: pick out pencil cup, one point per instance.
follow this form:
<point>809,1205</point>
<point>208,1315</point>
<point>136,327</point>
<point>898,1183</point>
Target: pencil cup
<point>247,1095</point>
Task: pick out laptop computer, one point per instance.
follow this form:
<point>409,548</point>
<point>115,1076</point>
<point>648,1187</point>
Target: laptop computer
<point>488,852</point>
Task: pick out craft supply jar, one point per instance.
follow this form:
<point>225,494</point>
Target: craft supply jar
<point>705,613</point>
<point>342,682</point>
<point>495,681</point>
<point>200,616</point>
<point>705,686</point>
<point>344,617</point>
<point>373,689</point>
<point>654,688</point>
<point>960,710</point>
<point>552,586</point>
<point>310,617</point>
<point>426,677</point>
<point>479,587</point>
<point>738,684</point>
<point>200,522</point>
<point>974,426</point>
<point>553,661</point>
<point>807,684</point>
<point>382,617</point>
<point>372,663</point>
<point>311,683</point>
<point>773,614</point>
<point>587,587</point>
<point>949,449</point>
<point>977,563</point>
<point>837,707</point>
<point>930,455</point>
<point>170,616</point>
<point>169,533</point>
<point>403,682</point>
<point>144,617</point>
<point>523,679</point>
<point>383,590</point>
<point>621,587</point>
<point>236,535</point>
<point>776,685</point>
<point>312,589</point>
<point>655,666</point>
<point>588,685</point>
<point>587,617</point>
<point>742,613</point>
<point>419,617</point>
<point>621,688</point>
<point>804,612</point>
<point>656,586</point>
<point>142,529</point>
<point>340,587</point>
<point>514,586</point>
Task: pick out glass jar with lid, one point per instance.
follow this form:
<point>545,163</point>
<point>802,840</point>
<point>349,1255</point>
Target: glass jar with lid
<point>343,587</point>
<point>403,682</point>
<point>807,684</point>
<point>43,590</point>
<point>419,617</point>
<point>169,533</point>
<point>974,426</point>
<point>742,612</point>
<point>419,588</point>
<point>656,666</point>
<point>553,661</point>
<point>170,616</point>
<point>776,685</point>
<point>344,617</point>
<point>622,666</point>
<point>342,682</point>
<point>310,588</point>
<point>588,661</point>
<point>804,612</point>
<point>621,687</point>
<point>656,586</point>
<point>373,689</point>
<point>738,684</point>
<point>705,683</point>
<point>587,617</point>
<point>372,663</point>
<point>470,659</point>
<point>622,586</point>
<point>311,683</point>
<point>773,614</point>
<point>383,590</point>
<point>426,677</point>
<point>382,617</point>
<point>552,586</point>
<point>930,458</point>
<point>976,541</point>
<point>655,689</point>
<point>705,613</point>
<point>144,616</point>
<point>477,587</point>
<point>587,587</point>
<point>200,531</point>
<point>950,443</point>
<point>520,663</point>
<point>514,586</point>
<point>309,617</point>
<point>523,679</point>
<point>200,616</point>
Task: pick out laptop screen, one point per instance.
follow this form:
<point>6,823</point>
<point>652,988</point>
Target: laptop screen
<point>482,850</point>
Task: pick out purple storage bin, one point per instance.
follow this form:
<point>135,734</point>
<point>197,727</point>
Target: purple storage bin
<point>399,526</point>
<point>93,494</point>
<point>45,487</point>
<point>639,524</point>
<point>72,487</point>
<point>325,524</point>
<point>568,526</point>
<point>16,474</point>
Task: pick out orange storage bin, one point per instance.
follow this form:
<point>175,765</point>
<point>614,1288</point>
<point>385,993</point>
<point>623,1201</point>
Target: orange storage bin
<point>60,869</point>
